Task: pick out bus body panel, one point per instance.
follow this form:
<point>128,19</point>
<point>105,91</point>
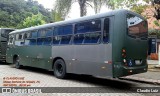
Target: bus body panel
<point>86,59</point>
<point>34,56</point>
<point>118,42</point>
<point>135,48</point>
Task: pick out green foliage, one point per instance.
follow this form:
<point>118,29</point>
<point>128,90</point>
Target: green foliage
<point>156,23</point>
<point>118,4</point>
<point>63,7</point>
<point>154,32</point>
<point>139,9</point>
<point>133,5</point>
<point>115,3</point>
<point>13,12</point>
<point>97,4</point>
<point>34,20</point>
<point>56,16</point>
<point>4,18</point>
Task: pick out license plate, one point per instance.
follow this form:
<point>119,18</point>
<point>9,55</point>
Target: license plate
<point>138,62</point>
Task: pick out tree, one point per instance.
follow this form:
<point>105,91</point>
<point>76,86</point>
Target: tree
<point>34,20</point>
<point>97,4</point>
<point>139,9</point>
<point>56,16</point>
<point>13,12</point>
<point>156,4</point>
<point>63,6</point>
<point>134,5</point>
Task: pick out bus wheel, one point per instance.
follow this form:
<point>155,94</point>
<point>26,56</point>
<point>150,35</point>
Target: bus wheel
<point>60,69</point>
<point>17,64</point>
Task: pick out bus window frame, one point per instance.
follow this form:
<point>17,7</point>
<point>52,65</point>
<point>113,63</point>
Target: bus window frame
<point>26,36</point>
<point>21,34</point>
<point>109,31</point>
<point>49,28</point>
<point>90,20</point>
<point>20,40</point>
<point>17,36</point>
<point>60,36</point>
<point>45,37</point>
<point>30,37</point>
<point>39,32</point>
<point>34,31</point>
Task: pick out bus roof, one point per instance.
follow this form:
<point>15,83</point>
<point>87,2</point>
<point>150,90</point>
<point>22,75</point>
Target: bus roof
<point>100,15</point>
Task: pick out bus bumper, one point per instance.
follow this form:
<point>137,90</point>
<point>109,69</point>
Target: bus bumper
<point>120,71</point>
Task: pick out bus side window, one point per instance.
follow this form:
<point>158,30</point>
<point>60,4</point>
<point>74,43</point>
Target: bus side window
<point>56,39</point>
<point>33,38</point>
<point>40,41</point>
<point>34,35</point>
<point>58,31</point>
<point>26,38</point>
<point>62,34</point>
<point>47,41</point>
<point>78,38</point>
<point>67,30</point>
<point>82,27</point>
<point>41,36</point>
<point>88,32</point>
<point>49,32</point>
<point>95,32</point>
<point>41,33</point>
<point>67,34</point>
<point>66,39</point>
<point>106,31</point>
<point>19,39</point>
<point>48,36</point>
<point>92,37</point>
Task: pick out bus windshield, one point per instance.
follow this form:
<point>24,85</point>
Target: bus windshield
<point>137,27</point>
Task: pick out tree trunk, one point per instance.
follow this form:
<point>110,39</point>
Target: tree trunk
<point>97,5</point>
<point>83,10</point>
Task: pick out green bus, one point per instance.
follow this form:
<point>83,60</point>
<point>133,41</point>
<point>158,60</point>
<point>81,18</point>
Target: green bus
<point>112,44</point>
<point>3,42</point>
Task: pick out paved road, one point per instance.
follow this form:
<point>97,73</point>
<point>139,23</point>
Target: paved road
<point>44,78</point>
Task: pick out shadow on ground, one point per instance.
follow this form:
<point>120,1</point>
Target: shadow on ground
<point>108,84</point>
<point>4,63</point>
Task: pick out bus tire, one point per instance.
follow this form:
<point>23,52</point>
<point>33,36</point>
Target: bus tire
<point>17,64</point>
<point>59,69</point>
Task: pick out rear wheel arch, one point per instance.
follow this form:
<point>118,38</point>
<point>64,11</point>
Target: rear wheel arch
<point>15,57</point>
<point>16,62</point>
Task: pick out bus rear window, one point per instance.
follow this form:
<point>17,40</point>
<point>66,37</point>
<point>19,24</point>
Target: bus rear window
<point>137,27</point>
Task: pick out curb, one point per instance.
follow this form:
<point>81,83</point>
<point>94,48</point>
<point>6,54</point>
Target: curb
<point>154,70</point>
<point>142,80</point>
